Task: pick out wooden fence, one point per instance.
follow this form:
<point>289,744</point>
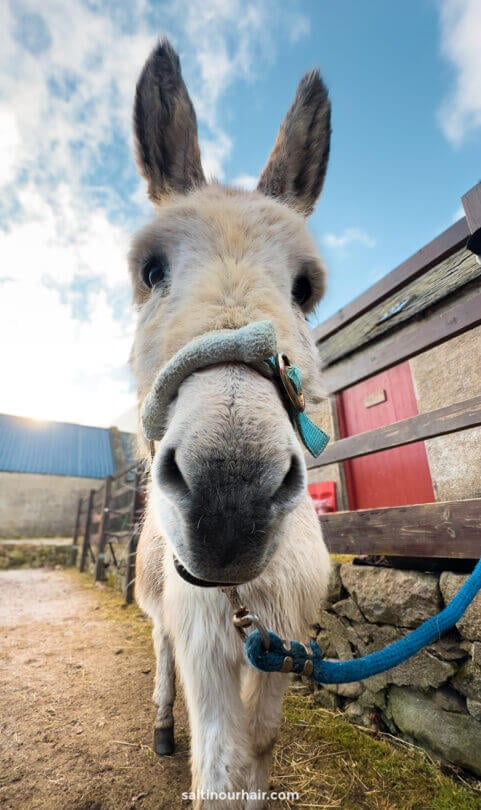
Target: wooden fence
<point>108,525</point>
<point>432,297</point>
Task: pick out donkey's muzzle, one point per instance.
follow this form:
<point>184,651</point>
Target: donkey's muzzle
<point>230,508</point>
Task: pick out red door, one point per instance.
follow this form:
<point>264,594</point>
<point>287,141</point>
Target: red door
<point>394,477</point>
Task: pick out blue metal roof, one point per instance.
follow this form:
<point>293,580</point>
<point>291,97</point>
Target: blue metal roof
<point>54,448</point>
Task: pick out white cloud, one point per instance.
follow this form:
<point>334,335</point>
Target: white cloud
<point>71,92</point>
<point>58,259</point>
<point>348,237</point>
<point>227,41</point>
<point>9,144</point>
<point>215,151</point>
<point>460,112</point>
<point>459,213</point>
<point>69,189</point>
<point>245,181</point>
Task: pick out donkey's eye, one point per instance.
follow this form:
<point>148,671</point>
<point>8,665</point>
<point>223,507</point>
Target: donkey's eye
<point>155,271</point>
<point>302,290</point>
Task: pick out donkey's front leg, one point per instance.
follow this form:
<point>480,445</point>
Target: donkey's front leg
<point>220,743</point>
<point>164,691</point>
<point>262,695</point>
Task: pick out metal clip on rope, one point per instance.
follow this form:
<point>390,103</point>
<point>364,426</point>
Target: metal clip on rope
<point>243,619</point>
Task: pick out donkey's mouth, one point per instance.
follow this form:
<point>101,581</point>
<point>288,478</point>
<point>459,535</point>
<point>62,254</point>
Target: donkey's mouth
<point>201,583</point>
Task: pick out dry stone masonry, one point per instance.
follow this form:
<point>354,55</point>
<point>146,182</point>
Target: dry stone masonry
<point>433,699</point>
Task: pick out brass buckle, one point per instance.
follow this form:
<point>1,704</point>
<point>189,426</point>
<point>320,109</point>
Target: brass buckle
<point>296,398</point>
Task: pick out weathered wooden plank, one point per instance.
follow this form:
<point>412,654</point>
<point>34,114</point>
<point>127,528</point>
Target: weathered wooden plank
<point>410,340</point>
<point>86,547</point>
<point>472,207</point>
<point>103,525</point>
<point>76,530</point>
<point>434,285</point>
<point>137,510</point>
<point>446,529</point>
<point>434,252</point>
<point>459,416</point>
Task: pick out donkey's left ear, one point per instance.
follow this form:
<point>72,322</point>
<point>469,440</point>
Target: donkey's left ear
<point>297,164</point>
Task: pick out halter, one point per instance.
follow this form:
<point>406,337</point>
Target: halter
<point>256,345</point>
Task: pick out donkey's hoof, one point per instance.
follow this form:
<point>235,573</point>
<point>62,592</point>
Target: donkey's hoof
<point>164,743</point>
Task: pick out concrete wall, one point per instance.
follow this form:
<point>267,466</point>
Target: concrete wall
<point>444,375</point>
<point>33,505</point>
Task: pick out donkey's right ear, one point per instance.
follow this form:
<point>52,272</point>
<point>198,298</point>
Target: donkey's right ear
<point>297,165</point>
<point>165,127</point>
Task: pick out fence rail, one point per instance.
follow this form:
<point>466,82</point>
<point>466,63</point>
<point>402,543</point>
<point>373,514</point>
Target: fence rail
<point>453,418</point>
<point>430,298</point>
<point>442,529</point>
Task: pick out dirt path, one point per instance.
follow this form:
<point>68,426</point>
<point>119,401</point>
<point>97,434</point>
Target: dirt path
<point>75,701</point>
<point>76,673</point>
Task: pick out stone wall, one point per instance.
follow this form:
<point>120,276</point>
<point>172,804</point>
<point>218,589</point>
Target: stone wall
<point>433,699</point>
<point>34,505</point>
<point>444,375</point>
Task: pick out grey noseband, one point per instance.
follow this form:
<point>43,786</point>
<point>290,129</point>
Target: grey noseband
<point>251,344</point>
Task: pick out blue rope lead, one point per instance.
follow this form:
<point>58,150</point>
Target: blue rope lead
<point>322,671</point>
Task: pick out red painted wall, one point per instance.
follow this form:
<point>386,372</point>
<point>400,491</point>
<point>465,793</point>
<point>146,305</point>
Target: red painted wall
<point>394,477</point>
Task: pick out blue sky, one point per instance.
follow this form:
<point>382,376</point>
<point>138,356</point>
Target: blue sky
<point>405,84</point>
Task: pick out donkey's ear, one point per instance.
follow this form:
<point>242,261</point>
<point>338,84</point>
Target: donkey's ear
<point>297,164</point>
<point>165,127</point>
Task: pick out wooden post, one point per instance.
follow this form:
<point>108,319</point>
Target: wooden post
<point>100,564</point>
<point>137,507</point>
<point>77,522</point>
<point>73,556</point>
<point>472,207</point>
<point>88,522</point>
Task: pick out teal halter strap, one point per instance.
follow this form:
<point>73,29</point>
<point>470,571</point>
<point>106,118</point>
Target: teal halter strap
<point>313,438</point>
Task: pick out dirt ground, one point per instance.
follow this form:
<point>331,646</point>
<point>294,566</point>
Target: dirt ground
<point>76,674</point>
<point>75,701</point>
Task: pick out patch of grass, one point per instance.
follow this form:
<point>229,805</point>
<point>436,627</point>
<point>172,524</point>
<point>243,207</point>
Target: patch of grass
<point>334,764</point>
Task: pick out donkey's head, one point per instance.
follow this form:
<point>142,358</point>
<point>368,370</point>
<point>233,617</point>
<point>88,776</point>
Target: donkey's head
<point>229,469</point>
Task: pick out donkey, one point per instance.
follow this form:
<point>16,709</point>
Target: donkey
<point>228,501</point>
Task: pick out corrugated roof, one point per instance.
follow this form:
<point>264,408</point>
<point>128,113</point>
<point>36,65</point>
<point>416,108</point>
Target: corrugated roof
<point>54,448</point>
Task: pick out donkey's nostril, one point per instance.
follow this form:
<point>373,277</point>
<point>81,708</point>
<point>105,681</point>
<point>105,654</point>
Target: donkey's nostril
<point>169,474</point>
<point>292,483</point>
